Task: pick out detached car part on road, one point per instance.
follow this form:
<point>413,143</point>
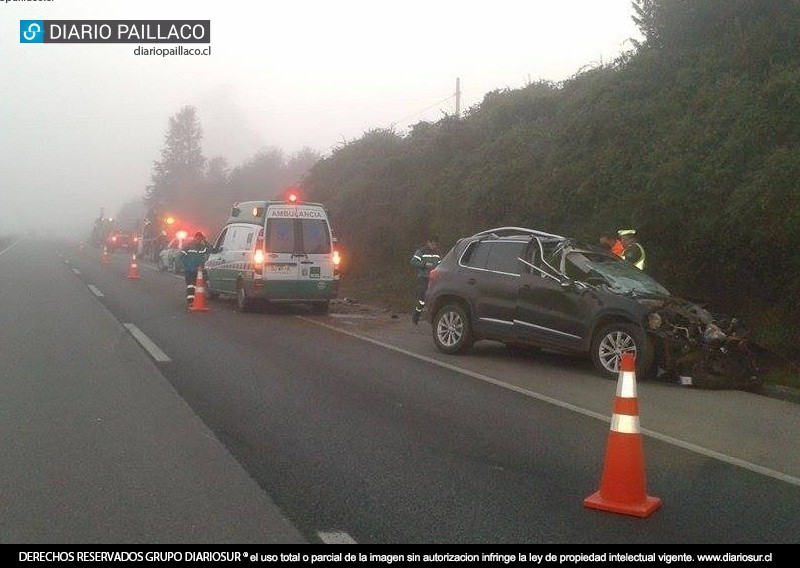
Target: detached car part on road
<point>528,288</point>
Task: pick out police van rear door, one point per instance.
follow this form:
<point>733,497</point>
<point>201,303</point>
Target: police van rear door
<point>298,245</point>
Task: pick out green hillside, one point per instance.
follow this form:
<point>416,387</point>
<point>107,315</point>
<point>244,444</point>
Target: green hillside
<point>693,138</point>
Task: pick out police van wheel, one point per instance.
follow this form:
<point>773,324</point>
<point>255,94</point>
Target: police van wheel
<point>243,302</point>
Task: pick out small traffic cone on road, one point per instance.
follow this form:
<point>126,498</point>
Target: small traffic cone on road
<point>622,489</point>
<point>199,303</point>
<point>104,256</point>
<point>133,270</point>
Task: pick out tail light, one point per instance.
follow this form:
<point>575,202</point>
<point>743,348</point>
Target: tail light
<point>337,259</point>
<point>433,274</point>
<point>259,256</point>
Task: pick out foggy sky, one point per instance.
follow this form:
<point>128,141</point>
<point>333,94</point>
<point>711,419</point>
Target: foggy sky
<point>80,125</point>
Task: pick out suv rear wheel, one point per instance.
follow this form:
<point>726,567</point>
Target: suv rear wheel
<point>452,331</point>
<point>612,340</point>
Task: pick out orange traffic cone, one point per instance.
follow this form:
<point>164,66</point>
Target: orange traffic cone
<point>104,256</point>
<point>199,303</point>
<point>133,271</point>
<point>622,488</point>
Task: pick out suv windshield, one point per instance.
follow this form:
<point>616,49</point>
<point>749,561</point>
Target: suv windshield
<point>620,276</point>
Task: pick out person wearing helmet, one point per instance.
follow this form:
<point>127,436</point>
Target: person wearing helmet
<point>634,251</point>
<point>194,255</point>
<point>611,241</point>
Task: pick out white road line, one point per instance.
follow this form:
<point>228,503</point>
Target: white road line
<point>336,537</point>
<point>95,291</point>
<point>148,345</point>
<point>9,247</point>
<point>76,271</point>
<point>658,436</point>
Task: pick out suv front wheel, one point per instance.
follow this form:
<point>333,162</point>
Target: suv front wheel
<point>452,331</point>
<point>612,340</point>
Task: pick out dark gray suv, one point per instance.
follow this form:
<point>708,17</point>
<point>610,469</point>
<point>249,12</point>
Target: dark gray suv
<point>529,288</point>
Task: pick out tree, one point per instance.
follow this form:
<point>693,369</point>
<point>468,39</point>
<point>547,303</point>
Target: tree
<point>181,163</point>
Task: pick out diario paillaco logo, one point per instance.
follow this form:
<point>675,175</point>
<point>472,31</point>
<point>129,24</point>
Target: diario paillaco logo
<point>115,31</point>
<point>31,31</point>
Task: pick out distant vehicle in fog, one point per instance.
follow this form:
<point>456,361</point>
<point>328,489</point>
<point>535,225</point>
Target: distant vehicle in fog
<point>122,241</point>
<point>169,258</point>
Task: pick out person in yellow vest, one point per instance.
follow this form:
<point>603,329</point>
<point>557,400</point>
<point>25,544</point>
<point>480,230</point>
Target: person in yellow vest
<point>612,242</point>
<point>634,251</point>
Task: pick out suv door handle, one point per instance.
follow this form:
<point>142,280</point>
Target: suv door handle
<point>471,281</point>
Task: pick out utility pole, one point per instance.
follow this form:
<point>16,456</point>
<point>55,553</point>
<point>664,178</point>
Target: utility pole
<point>458,97</point>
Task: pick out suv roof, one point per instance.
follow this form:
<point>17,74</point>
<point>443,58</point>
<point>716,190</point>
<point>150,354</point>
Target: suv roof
<point>513,231</point>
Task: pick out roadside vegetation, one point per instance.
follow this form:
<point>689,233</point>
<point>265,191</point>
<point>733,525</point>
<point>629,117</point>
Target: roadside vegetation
<point>692,138</point>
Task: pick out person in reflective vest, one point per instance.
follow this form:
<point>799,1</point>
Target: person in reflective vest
<point>612,242</point>
<point>425,259</point>
<point>193,255</point>
<point>634,251</point>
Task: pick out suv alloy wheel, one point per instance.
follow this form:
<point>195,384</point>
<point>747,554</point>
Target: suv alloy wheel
<point>452,331</point>
<point>612,340</point>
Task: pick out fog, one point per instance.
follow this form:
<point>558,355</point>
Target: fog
<point>81,124</point>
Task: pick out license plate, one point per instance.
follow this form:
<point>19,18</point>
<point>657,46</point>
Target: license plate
<point>279,268</point>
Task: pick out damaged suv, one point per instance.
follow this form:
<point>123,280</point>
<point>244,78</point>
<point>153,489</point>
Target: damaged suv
<point>528,288</point>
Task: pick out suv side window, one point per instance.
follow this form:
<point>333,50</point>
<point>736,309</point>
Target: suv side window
<point>476,255</point>
<point>503,256</point>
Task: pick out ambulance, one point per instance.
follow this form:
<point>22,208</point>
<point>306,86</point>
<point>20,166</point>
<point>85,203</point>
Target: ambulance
<point>275,251</point>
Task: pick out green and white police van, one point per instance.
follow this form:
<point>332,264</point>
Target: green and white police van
<point>275,251</point>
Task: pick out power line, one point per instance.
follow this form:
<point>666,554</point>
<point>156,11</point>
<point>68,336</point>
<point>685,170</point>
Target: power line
<point>406,119</point>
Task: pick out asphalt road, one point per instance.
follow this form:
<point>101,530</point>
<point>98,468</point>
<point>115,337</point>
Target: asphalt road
<point>284,426</point>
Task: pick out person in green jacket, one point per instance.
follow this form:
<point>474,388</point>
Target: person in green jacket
<point>194,255</point>
<point>425,259</point>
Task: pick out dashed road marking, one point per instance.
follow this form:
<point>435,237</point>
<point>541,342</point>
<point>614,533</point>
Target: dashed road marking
<point>336,537</point>
<point>95,290</point>
<point>147,343</point>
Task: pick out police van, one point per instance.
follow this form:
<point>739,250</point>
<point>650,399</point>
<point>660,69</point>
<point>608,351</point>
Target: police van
<point>276,251</point>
